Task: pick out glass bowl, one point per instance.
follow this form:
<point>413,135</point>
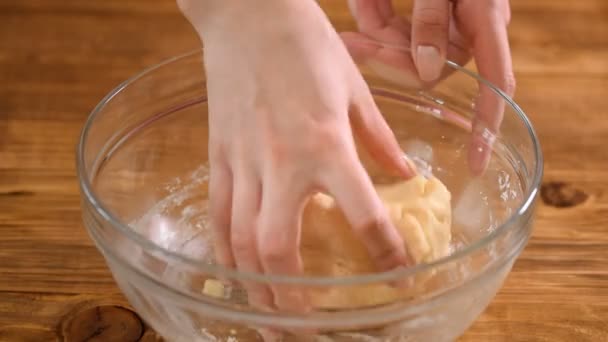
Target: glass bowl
<point>142,166</point>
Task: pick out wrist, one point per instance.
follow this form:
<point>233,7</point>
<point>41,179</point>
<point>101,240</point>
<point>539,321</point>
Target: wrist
<point>226,17</point>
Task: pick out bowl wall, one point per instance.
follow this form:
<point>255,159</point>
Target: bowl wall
<point>143,171</point>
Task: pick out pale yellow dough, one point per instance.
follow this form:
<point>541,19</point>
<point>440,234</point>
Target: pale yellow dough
<point>420,210</point>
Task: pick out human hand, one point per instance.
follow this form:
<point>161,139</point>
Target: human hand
<point>285,99</point>
<point>440,29</point>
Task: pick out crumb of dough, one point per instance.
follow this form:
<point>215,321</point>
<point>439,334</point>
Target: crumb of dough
<point>213,288</point>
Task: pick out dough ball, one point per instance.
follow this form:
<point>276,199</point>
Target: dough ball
<point>420,210</point>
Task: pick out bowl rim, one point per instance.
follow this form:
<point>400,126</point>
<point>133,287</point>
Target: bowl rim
<point>227,273</point>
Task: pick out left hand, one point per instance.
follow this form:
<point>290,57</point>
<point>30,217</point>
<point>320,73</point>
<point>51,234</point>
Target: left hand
<point>440,30</point>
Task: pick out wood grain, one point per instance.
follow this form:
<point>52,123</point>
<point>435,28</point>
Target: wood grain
<point>59,58</point>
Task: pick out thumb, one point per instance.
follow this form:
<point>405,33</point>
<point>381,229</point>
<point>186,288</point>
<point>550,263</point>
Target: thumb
<point>378,139</point>
<point>430,29</point>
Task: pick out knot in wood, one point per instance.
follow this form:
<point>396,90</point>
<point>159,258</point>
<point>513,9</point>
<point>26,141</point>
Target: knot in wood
<point>561,195</point>
<point>103,323</point>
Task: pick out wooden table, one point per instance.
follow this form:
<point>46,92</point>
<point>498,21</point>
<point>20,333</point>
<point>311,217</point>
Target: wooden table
<point>58,58</point>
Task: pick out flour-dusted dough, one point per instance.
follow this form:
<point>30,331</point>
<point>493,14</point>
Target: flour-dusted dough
<point>420,210</point>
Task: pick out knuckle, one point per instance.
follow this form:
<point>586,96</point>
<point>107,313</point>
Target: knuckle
<point>216,152</point>
<point>259,296</point>
<point>509,84</point>
<point>329,141</point>
<point>493,4</point>
<point>384,247</point>
<point>278,155</point>
<point>313,139</point>
<point>498,10</point>
<point>185,5</point>
<point>243,243</point>
<point>507,14</point>
<point>487,6</point>
<point>326,135</point>
<point>274,252</point>
<point>489,10</point>
<point>325,142</point>
<point>373,224</point>
<point>430,17</point>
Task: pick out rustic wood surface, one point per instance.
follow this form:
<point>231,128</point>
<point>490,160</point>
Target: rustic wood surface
<point>59,58</point>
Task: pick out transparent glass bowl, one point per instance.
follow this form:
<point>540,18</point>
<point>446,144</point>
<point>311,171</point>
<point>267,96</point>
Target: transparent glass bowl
<point>142,164</point>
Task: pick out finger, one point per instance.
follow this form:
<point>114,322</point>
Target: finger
<point>392,58</point>
<point>390,61</point>
<point>458,47</point>
<point>269,335</point>
<point>220,208</point>
<point>430,29</point>
<point>395,63</point>
<point>360,46</point>
<point>493,59</point>
<point>391,46</point>
<point>377,137</point>
<point>245,209</point>
<point>365,212</point>
<point>278,240</point>
<point>371,14</point>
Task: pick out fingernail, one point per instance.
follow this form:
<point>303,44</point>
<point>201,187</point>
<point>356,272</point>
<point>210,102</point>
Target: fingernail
<point>428,62</point>
<point>479,157</point>
<point>403,283</point>
<point>406,261</point>
<point>481,148</point>
<point>259,300</point>
<point>270,335</point>
<point>293,301</point>
<point>410,166</point>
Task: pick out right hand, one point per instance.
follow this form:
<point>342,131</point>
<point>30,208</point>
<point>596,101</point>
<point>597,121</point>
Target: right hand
<point>440,29</point>
<point>285,99</point>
